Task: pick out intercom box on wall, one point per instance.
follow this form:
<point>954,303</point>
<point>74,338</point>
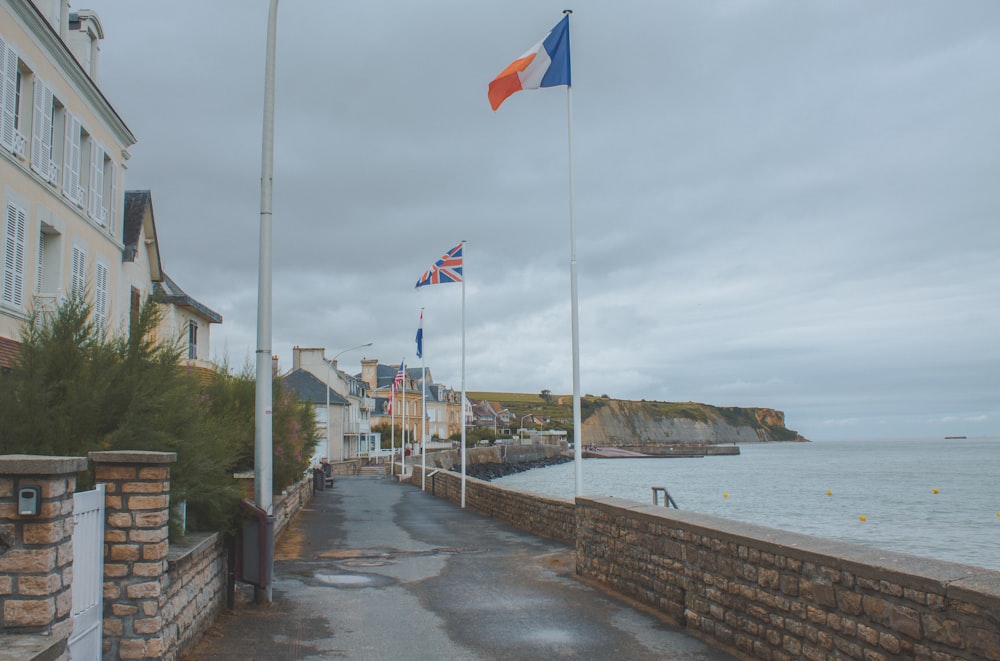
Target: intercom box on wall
<point>28,499</point>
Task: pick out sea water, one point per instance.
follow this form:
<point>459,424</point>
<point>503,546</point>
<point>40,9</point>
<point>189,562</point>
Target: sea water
<point>934,498</point>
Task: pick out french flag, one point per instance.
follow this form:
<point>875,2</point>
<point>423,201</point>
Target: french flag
<point>545,65</point>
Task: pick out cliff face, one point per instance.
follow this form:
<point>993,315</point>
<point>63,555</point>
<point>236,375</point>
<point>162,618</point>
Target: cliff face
<point>625,423</point>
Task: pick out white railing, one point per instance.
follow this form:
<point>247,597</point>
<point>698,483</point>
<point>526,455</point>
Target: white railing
<point>20,146</point>
<point>47,305</point>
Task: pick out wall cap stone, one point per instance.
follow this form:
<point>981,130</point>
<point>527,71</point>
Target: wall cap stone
<point>33,464</point>
<point>922,573</point>
<point>132,457</point>
<point>25,647</point>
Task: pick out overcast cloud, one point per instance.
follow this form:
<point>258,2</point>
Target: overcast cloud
<point>781,204</point>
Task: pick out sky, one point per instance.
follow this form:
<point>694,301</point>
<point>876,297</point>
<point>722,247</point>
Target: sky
<point>777,204</point>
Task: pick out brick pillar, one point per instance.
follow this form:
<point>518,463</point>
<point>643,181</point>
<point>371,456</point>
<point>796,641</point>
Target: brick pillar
<point>36,551</point>
<point>135,552</point>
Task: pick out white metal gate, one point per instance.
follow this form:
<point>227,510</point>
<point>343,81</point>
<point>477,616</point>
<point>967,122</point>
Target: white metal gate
<point>88,574</point>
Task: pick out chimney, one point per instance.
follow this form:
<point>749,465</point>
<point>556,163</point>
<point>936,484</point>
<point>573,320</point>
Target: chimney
<point>296,358</point>
<point>83,39</point>
<point>56,13</point>
<point>369,372</point>
<point>274,364</point>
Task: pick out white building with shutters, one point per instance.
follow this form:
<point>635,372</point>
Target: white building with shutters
<point>63,150</point>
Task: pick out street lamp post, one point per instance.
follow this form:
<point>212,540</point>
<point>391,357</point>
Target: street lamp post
<point>522,421</point>
<point>329,377</point>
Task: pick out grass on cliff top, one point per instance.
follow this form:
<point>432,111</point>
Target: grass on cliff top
<point>559,408</point>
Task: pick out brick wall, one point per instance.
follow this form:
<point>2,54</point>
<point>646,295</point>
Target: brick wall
<point>539,515</point>
<point>777,595</point>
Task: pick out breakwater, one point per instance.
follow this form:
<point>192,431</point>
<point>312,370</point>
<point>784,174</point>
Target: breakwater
<point>762,592</point>
<point>492,470</point>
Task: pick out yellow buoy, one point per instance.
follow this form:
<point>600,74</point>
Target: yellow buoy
<point>862,518</point>
<point>935,490</point>
<point>829,492</point>
<point>725,495</point>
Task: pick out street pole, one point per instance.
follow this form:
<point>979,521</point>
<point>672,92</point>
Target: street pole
<point>263,471</point>
<point>329,378</point>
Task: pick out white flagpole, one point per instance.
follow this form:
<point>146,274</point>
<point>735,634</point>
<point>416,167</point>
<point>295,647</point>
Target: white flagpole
<point>463,374</point>
<point>392,426</point>
<point>423,406</point>
<point>574,305</point>
<point>402,441</point>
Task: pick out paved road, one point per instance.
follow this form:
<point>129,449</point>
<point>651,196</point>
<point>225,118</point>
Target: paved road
<point>373,569</point>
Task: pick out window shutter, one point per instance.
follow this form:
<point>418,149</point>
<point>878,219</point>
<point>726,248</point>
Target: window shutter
<point>41,130</point>
<point>101,298</point>
<point>78,279</point>
<point>96,197</point>
<point>71,161</point>
<point>13,263</point>
<point>8,95</point>
<point>113,197</point>
<point>41,262</point>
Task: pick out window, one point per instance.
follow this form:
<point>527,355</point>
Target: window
<point>13,262</point>
<point>11,80</point>
<point>192,340</point>
<point>78,278</point>
<point>101,298</point>
<point>49,255</point>
<point>134,309</point>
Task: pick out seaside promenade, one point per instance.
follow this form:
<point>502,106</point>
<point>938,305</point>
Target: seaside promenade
<point>374,569</point>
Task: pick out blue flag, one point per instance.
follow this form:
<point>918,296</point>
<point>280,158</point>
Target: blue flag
<point>420,336</point>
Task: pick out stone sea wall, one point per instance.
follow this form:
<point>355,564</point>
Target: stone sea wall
<point>760,592</point>
<point>554,518</point>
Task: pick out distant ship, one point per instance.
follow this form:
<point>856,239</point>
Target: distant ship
<point>954,438</point>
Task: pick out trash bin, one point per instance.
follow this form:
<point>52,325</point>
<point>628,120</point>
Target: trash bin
<point>319,479</point>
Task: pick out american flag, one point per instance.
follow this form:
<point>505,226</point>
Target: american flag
<point>397,384</point>
<point>447,269</point>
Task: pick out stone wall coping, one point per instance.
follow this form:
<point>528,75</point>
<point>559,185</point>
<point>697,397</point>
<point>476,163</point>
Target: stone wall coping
<point>132,457</point>
<point>27,647</point>
<point>974,584</point>
<point>190,545</point>
<point>33,464</point>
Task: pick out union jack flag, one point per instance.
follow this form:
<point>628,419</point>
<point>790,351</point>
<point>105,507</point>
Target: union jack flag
<point>447,269</point>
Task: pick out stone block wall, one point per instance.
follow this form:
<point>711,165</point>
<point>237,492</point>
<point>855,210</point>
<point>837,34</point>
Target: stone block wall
<point>36,556</point>
<point>291,501</point>
<point>776,595</point>
<point>194,588</point>
<point>554,518</point>
<point>157,598</point>
<point>347,467</point>
<point>137,516</point>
